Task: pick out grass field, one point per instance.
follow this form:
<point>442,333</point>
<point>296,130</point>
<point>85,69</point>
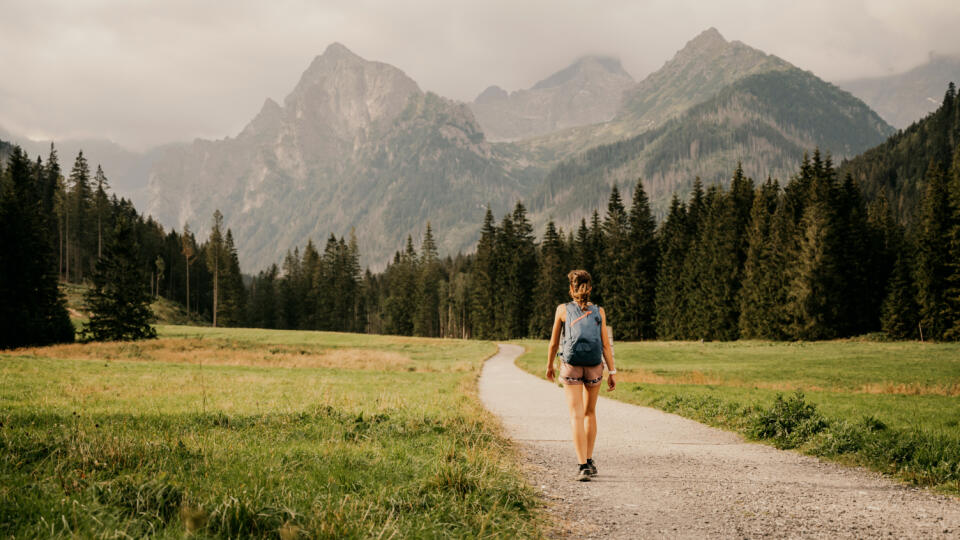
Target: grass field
<point>894,407</point>
<point>230,433</point>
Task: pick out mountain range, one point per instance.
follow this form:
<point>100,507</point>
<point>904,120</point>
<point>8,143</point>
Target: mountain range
<point>357,147</point>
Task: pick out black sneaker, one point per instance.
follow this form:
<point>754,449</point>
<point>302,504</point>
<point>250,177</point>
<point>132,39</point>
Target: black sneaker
<point>583,474</point>
<point>591,467</point>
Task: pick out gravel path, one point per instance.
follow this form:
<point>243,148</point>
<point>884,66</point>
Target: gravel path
<point>662,475</point>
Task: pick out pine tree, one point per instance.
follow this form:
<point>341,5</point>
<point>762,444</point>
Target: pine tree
<point>762,294</point>
<point>815,278</point>
<point>932,256</point>
<point>400,306</point>
<point>33,310</point>
<point>315,285</point>
<point>886,242</point>
<point>614,273</point>
<point>263,299</point>
<point>427,322</point>
<point>898,317</point>
<point>595,253</point>
<point>522,272</point>
<point>119,302</point>
<point>551,287</point>
<point>101,205</point>
<point>582,247</point>
<point>639,319</point>
<point>713,270</point>
<point>857,255</point>
<point>352,286</point>
<point>951,308</point>
<point>291,294</point>
<point>670,302</point>
<point>484,312</point>
<point>216,259</point>
<point>233,304</point>
<point>77,218</point>
<point>188,248</point>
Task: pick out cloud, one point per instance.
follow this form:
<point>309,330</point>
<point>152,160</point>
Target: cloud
<point>143,73</point>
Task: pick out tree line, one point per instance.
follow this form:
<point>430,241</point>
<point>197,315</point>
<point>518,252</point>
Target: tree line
<point>813,258</point>
<point>59,227</point>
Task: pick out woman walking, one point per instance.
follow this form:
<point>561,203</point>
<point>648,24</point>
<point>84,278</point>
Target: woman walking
<point>585,346</point>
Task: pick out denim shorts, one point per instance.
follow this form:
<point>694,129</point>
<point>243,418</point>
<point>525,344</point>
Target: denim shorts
<point>588,375</point>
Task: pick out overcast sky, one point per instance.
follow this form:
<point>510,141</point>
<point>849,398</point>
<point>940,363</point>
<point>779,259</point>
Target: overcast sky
<point>142,73</point>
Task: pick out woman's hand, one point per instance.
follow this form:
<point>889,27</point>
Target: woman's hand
<point>611,383</point>
<point>550,372</point>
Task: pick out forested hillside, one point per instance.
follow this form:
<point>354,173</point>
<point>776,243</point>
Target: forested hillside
<point>763,121</point>
<point>899,166</point>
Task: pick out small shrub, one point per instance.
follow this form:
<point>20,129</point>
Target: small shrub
<point>788,423</point>
<point>842,438</point>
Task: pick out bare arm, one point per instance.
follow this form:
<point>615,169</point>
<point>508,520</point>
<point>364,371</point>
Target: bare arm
<point>555,340</point>
<point>607,350</point>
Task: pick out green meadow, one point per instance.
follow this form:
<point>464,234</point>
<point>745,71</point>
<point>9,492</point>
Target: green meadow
<point>236,433</point>
<point>891,406</point>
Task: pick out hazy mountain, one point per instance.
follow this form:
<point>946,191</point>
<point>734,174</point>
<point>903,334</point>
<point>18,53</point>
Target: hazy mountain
<point>907,97</point>
<point>358,146</point>
<point>355,146</point>
<point>125,169</point>
<point>754,108</point>
<point>588,91</point>
<point>704,66</point>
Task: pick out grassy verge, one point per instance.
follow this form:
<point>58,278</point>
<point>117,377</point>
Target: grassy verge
<point>229,433</point>
<point>893,407</point>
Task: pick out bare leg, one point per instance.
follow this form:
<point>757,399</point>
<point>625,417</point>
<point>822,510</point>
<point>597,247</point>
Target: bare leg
<point>590,395</point>
<point>575,403</point>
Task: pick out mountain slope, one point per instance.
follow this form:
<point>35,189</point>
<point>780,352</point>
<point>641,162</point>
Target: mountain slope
<point>766,120</point>
<point>898,166</point>
<point>707,64</point>
<point>905,98</point>
<point>588,91</point>
<point>355,146</point>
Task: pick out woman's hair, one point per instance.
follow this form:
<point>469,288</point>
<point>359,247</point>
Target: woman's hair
<point>580,286</point>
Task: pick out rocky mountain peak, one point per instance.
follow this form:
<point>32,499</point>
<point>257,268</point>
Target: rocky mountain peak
<point>698,71</point>
<point>342,94</point>
<point>711,37</point>
<point>586,67</point>
<point>492,94</point>
<point>587,91</point>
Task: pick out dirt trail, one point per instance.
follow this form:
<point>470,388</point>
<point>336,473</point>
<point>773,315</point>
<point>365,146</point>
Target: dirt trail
<point>662,475</point>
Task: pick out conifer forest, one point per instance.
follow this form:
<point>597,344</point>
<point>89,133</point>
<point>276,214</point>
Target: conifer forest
<point>835,250</point>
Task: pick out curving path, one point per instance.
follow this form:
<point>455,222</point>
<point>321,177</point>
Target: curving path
<point>662,475</point>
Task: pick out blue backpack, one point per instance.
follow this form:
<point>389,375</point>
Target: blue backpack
<point>582,344</point>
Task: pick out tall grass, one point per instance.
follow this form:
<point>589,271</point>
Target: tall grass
<point>128,442</point>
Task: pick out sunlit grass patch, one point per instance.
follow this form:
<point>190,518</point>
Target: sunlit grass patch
<point>226,353</point>
<point>332,436</point>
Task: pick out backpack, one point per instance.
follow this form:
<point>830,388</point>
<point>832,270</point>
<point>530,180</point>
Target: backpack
<point>582,344</point>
